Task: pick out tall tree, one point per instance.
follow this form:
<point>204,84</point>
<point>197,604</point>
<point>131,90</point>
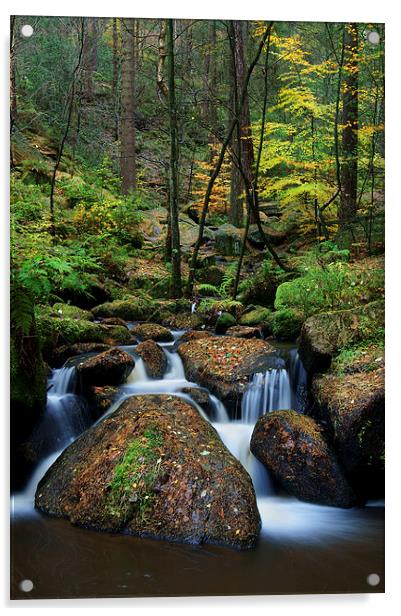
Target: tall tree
<point>243,145</point>
<point>127,124</point>
<point>115,77</point>
<point>349,172</point>
<point>173,184</point>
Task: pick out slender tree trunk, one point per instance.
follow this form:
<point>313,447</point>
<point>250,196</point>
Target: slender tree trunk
<point>173,188</point>
<point>161,79</point>
<point>244,136</point>
<point>349,173</point>
<point>128,157</point>
<point>89,56</point>
<point>235,213</point>
<point>70,108</point>
<point>115,78</point>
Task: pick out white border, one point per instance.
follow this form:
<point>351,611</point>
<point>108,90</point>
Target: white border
<point>290,10</point>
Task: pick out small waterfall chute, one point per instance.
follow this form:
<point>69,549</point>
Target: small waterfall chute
<point>266,392</point>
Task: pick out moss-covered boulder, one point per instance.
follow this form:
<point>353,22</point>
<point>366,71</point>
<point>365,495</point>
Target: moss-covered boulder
<point>134,309</point>
<point>113,321</point>
<point>64,352</point>
<point>154,358</point>
<point>353,404</point>
<point>324,334</point>
<point>224,321</point>
<point>229,240</point>
<point>286,324</point>
<point>224,365</point>
<point>260,290</point>
<point>274,236</point>
<point>111,367</point>
<point>212,274</point>
<point>152,331</point>
<point>258,315</point>
<point>153,468</point>
<point>293,449</point>
<point>56,332</point>
<point>67,310</point>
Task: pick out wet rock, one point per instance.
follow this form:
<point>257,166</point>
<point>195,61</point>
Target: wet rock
<point>224,321</point>
<point>229,240</point>
<point>111,367</point>
<point>324,334</point>
<point>113,321</point>
<point>153,468</point>
<point>100,399</point>
<point>152,331</point>
<point>184,321</point>
<point>241,331</point>
<point>61,354</point>
<point>201,397</point>
<point>224,364</point>
<point>154,358</point>
<point>293,449</point>
<point>192,334</point>
<point>353,404</point>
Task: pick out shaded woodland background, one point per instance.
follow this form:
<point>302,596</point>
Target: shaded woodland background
<point>234,163</point>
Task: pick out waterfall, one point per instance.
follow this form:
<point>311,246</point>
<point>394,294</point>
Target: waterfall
<point>66,414</point>
<point>266,392</point>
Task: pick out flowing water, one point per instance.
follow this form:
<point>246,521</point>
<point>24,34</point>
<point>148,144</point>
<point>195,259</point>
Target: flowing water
<point>302,548</point>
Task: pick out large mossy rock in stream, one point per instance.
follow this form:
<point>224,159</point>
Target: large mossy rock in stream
<point>154,358</point>
<point>109,368</point>
<point>224,365</point>
<point>353,405</point>
<point>293,449</point>
<point>324,334</point>
<point>229,240</point>
<point>257,316</point>
<point>286,324</point>
<point>134,309</point>
<point>185,321</point>
<point>55,332</point>
<point>224,321</point>
<point>152,331</point>
<point>61,310</point>
<point>153,468</point>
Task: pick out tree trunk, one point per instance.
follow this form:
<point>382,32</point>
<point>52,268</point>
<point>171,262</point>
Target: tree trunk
<point>128,158</point>
<point>161,81</point>
<point>115,77</point>
<point>243,145</point>
<point>173,189</point>
<point>349,174</point>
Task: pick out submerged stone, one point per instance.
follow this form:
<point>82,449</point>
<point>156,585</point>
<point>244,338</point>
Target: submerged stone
<point>153,468</point>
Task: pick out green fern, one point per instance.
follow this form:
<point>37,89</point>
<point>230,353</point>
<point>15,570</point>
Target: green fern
<point>21,310</point>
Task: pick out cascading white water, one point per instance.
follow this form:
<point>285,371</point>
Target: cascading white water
<point>266,392</point>
<point>66,414</point>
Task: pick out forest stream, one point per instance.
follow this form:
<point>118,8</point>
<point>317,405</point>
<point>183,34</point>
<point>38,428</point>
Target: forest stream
<point>302,548</point>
